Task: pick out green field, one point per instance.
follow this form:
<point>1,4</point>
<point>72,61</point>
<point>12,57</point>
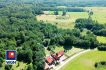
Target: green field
<point>86,61</point>
<point>99,16</point>
<point>101,39</point>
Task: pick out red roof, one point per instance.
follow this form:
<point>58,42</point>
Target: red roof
<point>60,53</point>
<point>54,56</point>
<point>49,59</point>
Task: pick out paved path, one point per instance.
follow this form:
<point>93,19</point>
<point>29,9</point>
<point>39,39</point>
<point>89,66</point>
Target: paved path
<point>70,59</point>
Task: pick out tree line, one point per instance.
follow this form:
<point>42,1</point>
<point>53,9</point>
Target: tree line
<point>68,9</point>
<point>76,3</point>
<point>94,26</point>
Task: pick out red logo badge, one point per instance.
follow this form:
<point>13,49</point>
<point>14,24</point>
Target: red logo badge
<point>11,55</point>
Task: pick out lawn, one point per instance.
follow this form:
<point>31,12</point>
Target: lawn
<point>86,61</point>
<point>101,39</point>
<point>73,51</point>
<point>70,51</point>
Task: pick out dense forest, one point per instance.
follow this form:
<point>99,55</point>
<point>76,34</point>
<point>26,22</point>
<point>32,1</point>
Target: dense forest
<point>73,3</point>
<point>19,30</point>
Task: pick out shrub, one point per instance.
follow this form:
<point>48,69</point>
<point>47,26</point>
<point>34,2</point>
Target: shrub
<point>99,64</point>
<point>96,64</point>
<point>102,48</point>
<point>103,63</point>
<point>0,64</point>
<point>8,67</point>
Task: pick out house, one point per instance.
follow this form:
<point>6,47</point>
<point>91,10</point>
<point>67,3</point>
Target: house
<point>49,60</point>
<point>60,53</point>
<point>55,56</point>
<point>52,60</point>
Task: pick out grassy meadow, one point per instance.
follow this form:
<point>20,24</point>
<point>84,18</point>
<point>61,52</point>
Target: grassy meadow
<point>59,21</point>
<point>99,13</point>
<point>86,61</point>
<point>65,22</point>
<point>101,39</point>
<point>68,20</point>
